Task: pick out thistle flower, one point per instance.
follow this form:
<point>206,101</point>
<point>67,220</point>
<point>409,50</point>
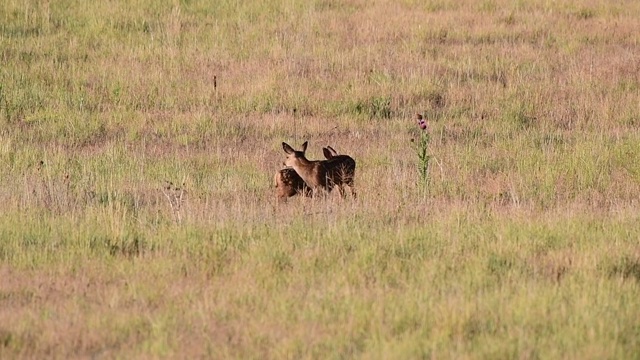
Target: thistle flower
<point>421,122</point>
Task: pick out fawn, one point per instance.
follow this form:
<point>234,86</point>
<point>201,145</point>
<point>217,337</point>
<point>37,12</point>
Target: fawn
<point>288,183</point>
<point>322,175</point>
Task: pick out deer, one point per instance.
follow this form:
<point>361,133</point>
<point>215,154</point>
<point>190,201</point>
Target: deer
<point>322,175</point>
<point>288,183</point>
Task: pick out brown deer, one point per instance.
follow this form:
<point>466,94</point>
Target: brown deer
<point>322,175</point>
<point>288,183</point>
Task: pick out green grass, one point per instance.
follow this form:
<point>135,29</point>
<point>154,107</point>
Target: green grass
<point>138,217</point>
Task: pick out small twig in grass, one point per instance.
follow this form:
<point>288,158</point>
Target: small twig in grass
<point>175,197</point>
<point>439,163</point>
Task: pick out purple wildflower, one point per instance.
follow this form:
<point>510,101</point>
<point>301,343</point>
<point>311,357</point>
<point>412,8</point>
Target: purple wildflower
<point>421,122</point>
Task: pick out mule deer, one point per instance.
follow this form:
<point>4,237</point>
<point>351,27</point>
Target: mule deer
<point>321,174</point>
<point>288,183</point>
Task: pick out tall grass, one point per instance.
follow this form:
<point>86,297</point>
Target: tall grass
<point>138,215</point>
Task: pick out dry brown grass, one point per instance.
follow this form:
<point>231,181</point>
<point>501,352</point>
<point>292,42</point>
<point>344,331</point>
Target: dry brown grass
<point>523,244</point>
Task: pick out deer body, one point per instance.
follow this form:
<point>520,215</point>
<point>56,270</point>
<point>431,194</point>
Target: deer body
<point>346,169</point>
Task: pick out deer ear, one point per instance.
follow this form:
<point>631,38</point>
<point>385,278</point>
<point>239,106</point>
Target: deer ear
<point>287,148</point>
<point>327,153</point>
<point>333,151</point>
<point>304,146</point>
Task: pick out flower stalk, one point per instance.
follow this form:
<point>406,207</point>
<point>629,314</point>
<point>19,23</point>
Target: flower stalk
<point>422,149</point>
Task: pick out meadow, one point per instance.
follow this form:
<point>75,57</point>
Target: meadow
<point>138,144</point>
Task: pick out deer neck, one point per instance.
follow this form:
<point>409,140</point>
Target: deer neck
<point>310,172</point>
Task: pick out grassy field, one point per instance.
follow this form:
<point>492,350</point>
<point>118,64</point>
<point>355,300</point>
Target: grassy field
<point>138,143</point>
